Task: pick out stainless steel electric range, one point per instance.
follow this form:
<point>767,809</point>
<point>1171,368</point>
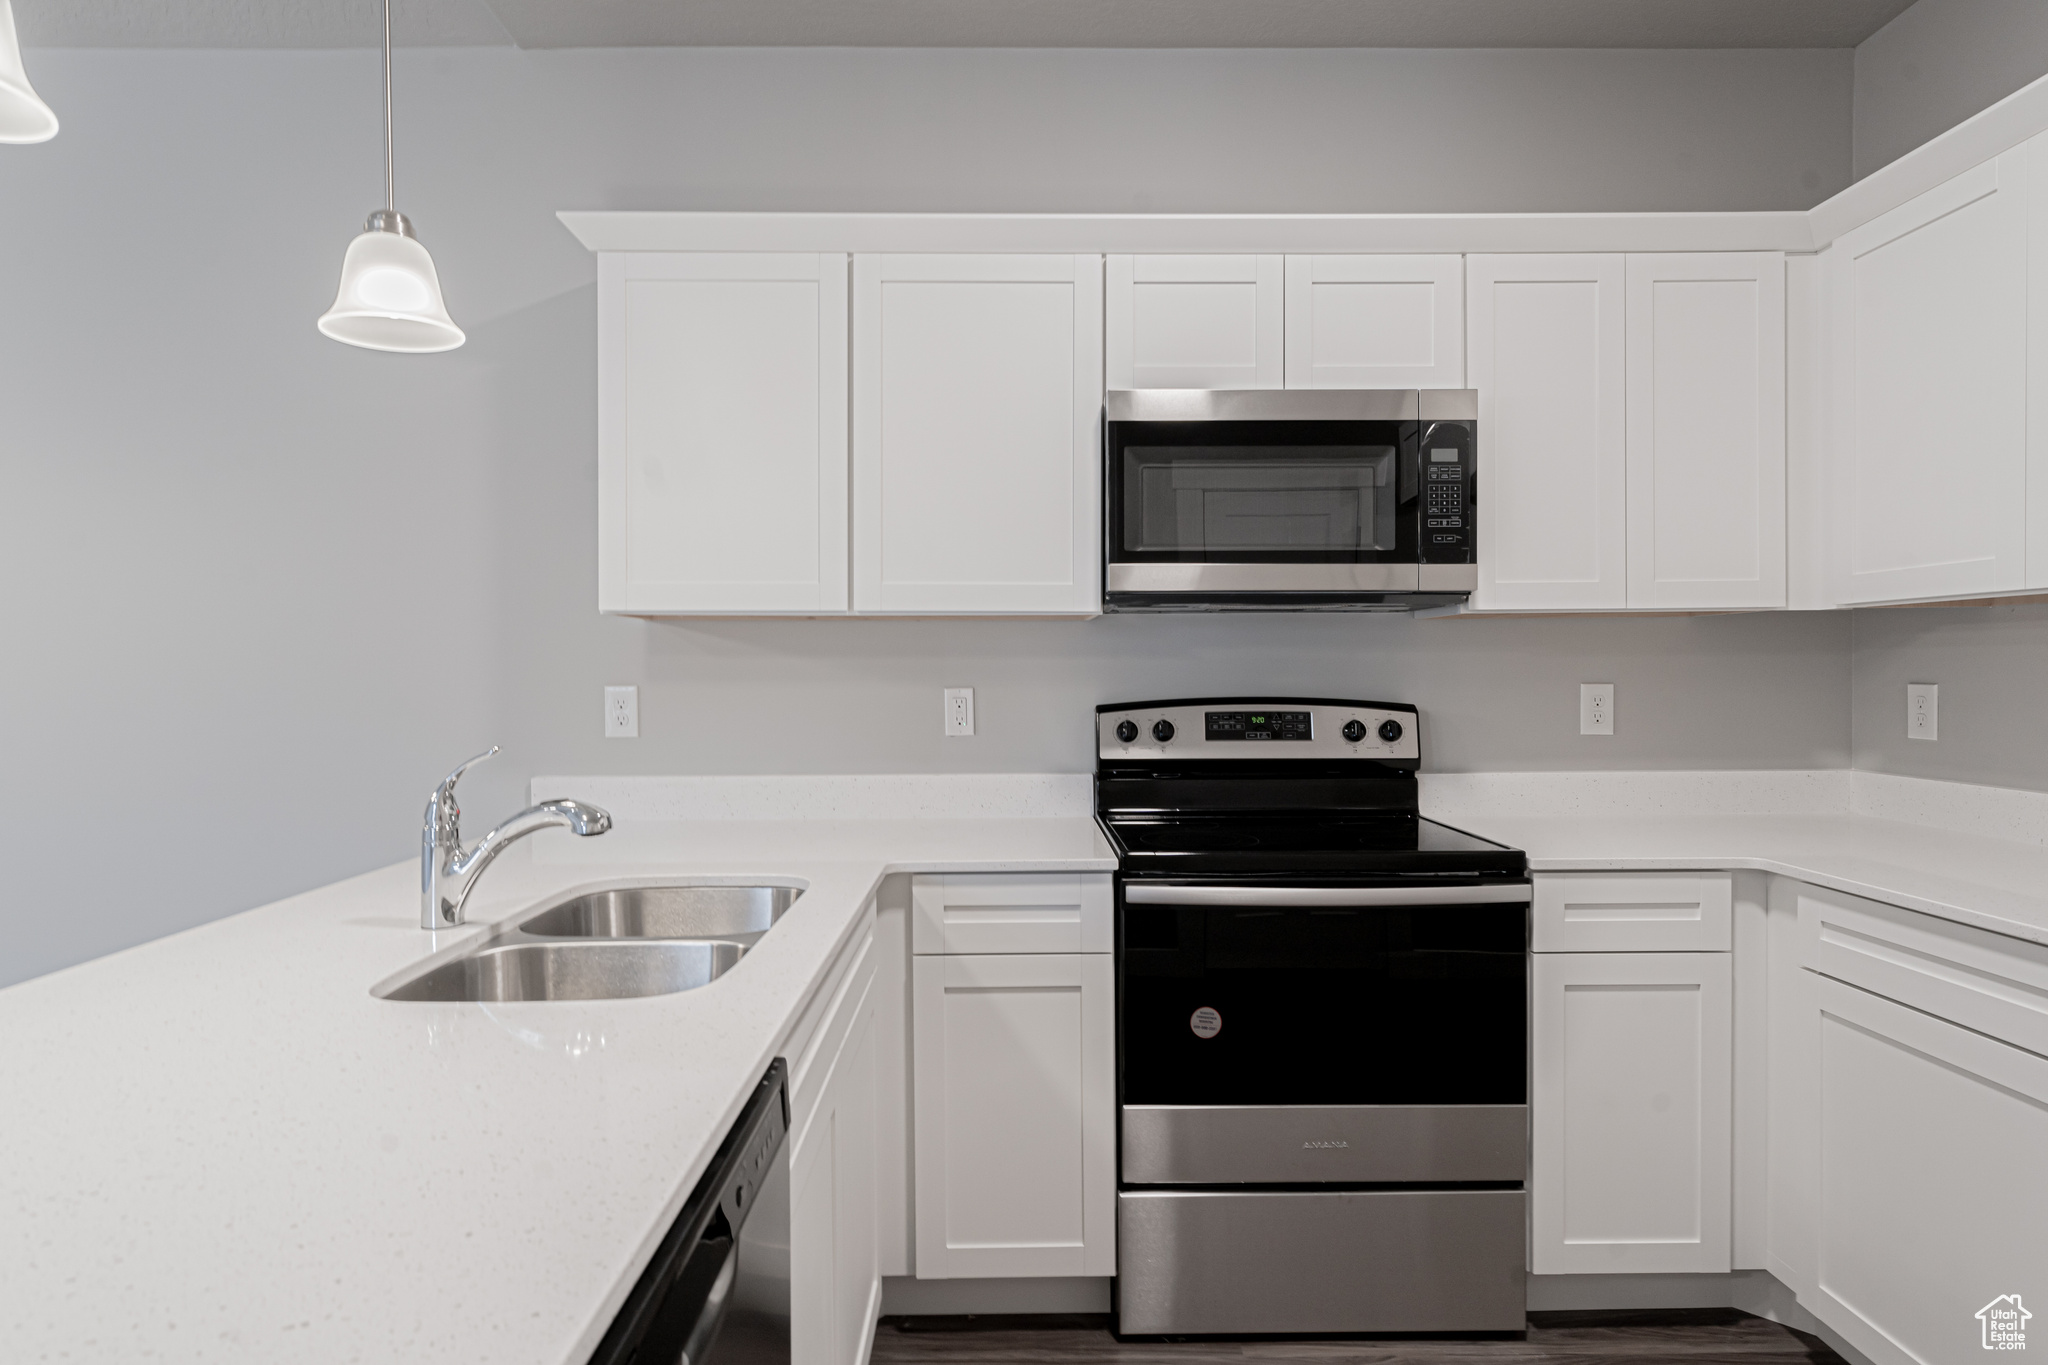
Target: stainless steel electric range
<point>1322,1038</point>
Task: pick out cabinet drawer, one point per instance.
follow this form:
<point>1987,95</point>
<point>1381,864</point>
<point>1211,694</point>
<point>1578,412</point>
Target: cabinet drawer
<point>1646,912</point>
<point>1010,912</point>
<point>1981,980</point>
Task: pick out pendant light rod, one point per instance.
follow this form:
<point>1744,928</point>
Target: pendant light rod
<point>390,198</point>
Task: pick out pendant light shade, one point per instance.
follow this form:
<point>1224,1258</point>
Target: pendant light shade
<point>390,297</point>
<point>23,116</point>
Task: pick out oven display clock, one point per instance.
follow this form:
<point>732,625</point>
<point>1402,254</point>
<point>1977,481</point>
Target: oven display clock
<point>1228,725</point>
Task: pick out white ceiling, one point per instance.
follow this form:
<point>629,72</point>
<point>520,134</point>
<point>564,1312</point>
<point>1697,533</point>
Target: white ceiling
<point>958,23</point>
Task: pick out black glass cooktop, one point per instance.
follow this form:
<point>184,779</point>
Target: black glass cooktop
<point>1298,842</point>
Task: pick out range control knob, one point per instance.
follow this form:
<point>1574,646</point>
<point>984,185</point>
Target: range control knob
<point>1354,730</point>
<point>1162,730</point>
<point>1390,730</point>
<point>1126,731</point>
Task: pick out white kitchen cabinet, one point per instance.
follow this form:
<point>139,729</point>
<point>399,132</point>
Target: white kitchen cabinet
<point>1644,912</point>
<point>1706,430</point>
<point>1014,1077</point>
<point>1928,306</point>
<point>1932,1194</point>
<point>835,1273</point>
<point>1193,322</point>
<point>977,413</point>
<point>1631,1109</point>
<point>1376,322</point>
<point>1547,356</point>
<point>722,433</point>
<point>1012,912</point>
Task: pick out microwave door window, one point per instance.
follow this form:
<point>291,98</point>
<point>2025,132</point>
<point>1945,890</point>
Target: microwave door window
<point>1264,502</point>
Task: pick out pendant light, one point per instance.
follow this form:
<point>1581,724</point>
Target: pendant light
<point>390,297</point>
<point>23,116</point>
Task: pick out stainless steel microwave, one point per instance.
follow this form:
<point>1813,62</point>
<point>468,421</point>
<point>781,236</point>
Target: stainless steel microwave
<point>1289,499</point>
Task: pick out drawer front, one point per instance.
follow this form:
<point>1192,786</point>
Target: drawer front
<point>1011,912</point>
<point>1981,980</point>
<point>1640,912</point>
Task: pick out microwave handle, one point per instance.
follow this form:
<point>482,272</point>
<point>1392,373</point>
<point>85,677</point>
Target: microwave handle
<point>1149,893</point>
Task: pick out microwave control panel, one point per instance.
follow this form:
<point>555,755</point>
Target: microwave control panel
<point>1448,494</point>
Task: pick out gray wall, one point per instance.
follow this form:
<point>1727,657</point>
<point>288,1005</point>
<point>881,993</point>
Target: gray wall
<point>261,590</point>
<point>1937,64</point>
<point>1991,664</point>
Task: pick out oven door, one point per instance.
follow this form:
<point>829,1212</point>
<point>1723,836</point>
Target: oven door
<point>1317,1033</point>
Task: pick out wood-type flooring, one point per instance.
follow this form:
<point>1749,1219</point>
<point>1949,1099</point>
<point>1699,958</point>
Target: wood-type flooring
<point>1708,1336</point>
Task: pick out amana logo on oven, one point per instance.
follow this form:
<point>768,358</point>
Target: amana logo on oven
<point>1316,1144</point>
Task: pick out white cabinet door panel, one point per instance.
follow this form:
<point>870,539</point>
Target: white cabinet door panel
<point>1015,1115</point>
<point>1706,430</point>
<point>1194,322</point>
<point>977,398</point>
<point>1632,1108</point>
<point>835,1271</point>
<point>1932,1189</point>
<point>1375,322</point>
<point>722,440</point>
<point>1546,345</point>
<point>1929,420</point>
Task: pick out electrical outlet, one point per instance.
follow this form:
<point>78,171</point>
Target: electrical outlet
<point>622,713</point>
<point>959,711</point>
<point>1920,710</point>
<point>1596,708</point>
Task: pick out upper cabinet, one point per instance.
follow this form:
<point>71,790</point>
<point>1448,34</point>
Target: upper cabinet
<point>1375,322</point>
<point>722,473</point>
<point>977,402</point>
<point>1631,430</point>
<point>1548,361</point>
<point>1928,305</point>
<point>1194,322</point>
<point>1706,430</point>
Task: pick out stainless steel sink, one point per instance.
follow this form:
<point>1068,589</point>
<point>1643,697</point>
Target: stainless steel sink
<point>594,970</point>
<point>643,912</point>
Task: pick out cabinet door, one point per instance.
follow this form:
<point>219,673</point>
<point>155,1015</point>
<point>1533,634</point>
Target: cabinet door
<point>1548,361</point>
<point>1929,304</point>
<point>1193,322</point>
<point>1375,322</point>
<point>722,465</point>
<point>977,399</point>
<point>1932,1194</point>
<point>1632,1103</point>
<point>1706,430</point>
<point>835,1272</point>
<point>1014,1064</point>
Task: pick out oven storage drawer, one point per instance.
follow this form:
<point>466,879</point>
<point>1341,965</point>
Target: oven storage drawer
<point>1011,912</point>
<point>1280,1144</point>
<point>1200,1262</point>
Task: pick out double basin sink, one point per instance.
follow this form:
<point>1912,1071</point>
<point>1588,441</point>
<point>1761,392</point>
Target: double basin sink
<point>609,945</point>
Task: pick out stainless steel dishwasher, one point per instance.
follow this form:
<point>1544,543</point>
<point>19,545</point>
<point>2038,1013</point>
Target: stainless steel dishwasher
<point>717,1290</point>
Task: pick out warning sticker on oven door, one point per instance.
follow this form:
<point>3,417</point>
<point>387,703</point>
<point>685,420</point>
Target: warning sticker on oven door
<point>1205,1022</point>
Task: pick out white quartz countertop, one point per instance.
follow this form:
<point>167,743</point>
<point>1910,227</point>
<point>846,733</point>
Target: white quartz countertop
<point>219,1146</point>
<point>1992,883</point>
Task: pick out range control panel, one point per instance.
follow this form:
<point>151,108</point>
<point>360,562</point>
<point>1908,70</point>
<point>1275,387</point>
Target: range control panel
<point>1263,731</point>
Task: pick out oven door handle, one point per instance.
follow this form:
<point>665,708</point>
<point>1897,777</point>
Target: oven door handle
<point>1150,893</point>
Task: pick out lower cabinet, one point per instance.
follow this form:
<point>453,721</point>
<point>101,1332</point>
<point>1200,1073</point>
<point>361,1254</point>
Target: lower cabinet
<point>835,1276</point>
<point>1014,1060</point>
<point>1632,1106</point>
<point>1915,1191</point>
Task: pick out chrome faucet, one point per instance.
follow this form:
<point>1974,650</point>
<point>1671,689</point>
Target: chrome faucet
<point>448,871</point>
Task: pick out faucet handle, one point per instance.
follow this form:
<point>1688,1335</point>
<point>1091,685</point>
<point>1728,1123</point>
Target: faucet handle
<point>447,787</point>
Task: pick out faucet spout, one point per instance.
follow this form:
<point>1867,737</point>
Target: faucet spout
<point>448,871</point>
